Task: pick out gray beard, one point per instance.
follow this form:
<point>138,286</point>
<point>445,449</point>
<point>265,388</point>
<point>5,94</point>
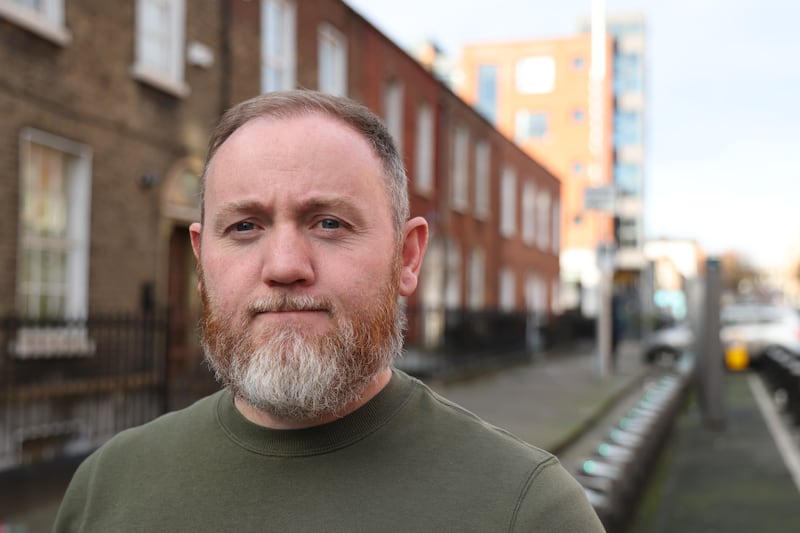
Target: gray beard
<point>296,376</point>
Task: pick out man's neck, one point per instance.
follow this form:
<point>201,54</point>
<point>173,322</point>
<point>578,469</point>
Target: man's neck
<point>268,420</point>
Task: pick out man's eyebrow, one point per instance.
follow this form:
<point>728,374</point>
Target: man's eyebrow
<point>328,202</point>
<point>237,208</point>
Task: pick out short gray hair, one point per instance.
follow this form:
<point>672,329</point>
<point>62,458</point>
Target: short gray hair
<point>287,104</point>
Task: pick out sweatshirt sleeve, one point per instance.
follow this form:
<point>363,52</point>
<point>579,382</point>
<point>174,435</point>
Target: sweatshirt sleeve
<point>554,501</point>
<point>71,513</point>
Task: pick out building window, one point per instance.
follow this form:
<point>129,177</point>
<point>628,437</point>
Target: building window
<point>528,213</point>
<point>43,17</point>
<point>627,73</point>
<point>627,128</point>
<point>507,290</point>
<point>332,60</point>
<point>536,295</point>
<point>627,179</point>
<point>543,220</point>
<point>460,169</point>
<point>628,233</point>
<point>53,255</point>
<point>477,275</point>
<point>423,167</point>
<point>508,203</point>
<point>54,221</point>
<point>530,126</point>
<point>578,115</point>
<point>160,27</point>
<point>278,43</point>
<point>393,111</point>
<point>482,171</point>
<point>556,227</point>
<point>555,296</point>
<point>577,168</point>
<point>536,75</point>
<point>578,62</point>
<point>453,282</point>
<point>487,91</point>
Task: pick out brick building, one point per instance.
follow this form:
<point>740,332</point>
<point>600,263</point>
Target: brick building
<point>537,92</point>
<point>107,109</point>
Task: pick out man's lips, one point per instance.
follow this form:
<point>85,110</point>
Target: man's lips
<point>283,304</point>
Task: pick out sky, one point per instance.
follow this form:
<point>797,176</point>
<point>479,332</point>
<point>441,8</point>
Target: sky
<point>723,105</point>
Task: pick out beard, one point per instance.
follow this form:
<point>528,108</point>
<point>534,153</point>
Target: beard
<point>295,375</point>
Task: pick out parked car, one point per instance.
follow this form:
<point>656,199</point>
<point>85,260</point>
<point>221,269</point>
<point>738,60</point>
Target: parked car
<point>666,345</point>
<point>760,327</point>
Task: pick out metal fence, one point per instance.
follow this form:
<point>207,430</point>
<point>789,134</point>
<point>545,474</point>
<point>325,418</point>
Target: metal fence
<point>68,386</point>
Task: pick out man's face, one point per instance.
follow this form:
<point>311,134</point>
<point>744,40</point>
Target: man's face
<point>300,266</point>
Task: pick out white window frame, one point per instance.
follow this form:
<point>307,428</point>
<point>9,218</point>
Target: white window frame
<point>331,60</point>
<point>483,156</point>
<point>477,279</point>
<point>543,216</point>
<point>46,21</point>
<point>508,202</point>
<point>529,213</point>
<point>459,184</point>
<point>278,52</point>
<point>170,76</point>
<point>70,341</point>
<point>393,111</point>
<point>423,156</point>
<point>507,298</point>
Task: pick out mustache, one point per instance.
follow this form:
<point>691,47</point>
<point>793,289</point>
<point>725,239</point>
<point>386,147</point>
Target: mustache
<point>286,302</point>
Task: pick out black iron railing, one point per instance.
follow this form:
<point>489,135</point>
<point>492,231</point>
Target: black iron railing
<point>67,386</point>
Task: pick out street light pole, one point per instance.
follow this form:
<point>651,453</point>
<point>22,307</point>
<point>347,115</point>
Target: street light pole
<point>597,177</point>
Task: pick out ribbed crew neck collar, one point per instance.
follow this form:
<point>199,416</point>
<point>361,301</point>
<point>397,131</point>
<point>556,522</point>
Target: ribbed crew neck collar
<point>318,439</point>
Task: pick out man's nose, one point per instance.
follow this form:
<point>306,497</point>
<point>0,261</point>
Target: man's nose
<point>287,258</point>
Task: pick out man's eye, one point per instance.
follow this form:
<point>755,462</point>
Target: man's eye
<point>244,226</point>
<point>329,223</point>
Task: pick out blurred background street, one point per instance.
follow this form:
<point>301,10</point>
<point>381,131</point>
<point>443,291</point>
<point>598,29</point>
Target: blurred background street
<point>613,271</point>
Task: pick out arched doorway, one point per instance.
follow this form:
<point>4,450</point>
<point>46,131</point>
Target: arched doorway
<point>188,378</point>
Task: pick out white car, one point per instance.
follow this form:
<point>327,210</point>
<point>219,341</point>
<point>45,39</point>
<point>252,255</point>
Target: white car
<point>760,327</point>
<point>668,344</point>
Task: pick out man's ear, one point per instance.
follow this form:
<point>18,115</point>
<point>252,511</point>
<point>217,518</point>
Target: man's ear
<point>195,230</point>
<point>415,241</point>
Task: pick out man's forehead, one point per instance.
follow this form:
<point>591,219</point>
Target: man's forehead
<point>308,148</point>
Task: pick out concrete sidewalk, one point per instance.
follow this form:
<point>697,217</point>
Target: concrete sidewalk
<point>553,400</point>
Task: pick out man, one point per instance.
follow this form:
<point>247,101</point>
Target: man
<point>304,246</point>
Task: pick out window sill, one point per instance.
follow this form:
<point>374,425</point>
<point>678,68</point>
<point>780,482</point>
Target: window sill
<point>29,20</point>
<point>41,343</point>
<point>157,80</point>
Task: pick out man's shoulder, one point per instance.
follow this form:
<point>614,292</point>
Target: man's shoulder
<point>466,430</point>
<point>164,430</point>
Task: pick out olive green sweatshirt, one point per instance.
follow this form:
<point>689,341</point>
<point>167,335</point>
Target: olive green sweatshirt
<point>408,460</point>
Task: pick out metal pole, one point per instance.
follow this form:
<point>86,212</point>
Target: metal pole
<point>605,253</point>
<point>711,379</point>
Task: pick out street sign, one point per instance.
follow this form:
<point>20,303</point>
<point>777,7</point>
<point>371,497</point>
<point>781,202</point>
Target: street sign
<point>599,198</point>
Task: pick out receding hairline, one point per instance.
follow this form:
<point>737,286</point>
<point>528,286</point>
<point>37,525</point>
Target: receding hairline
<point>353,114</point>
<point>293,114</point>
